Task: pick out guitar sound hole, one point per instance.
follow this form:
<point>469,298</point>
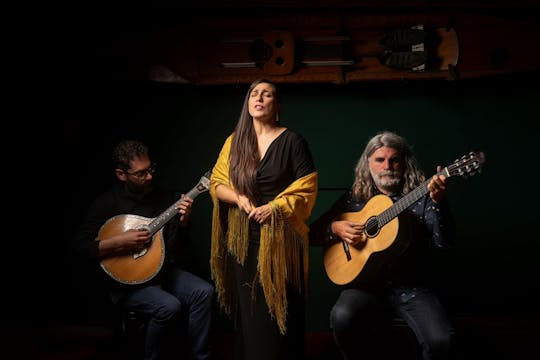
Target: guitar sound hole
<point>279,44</point>
<point>279,60</point>
<point>372,227</point>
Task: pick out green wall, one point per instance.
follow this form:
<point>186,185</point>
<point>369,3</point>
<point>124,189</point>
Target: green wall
<point>492,268</point>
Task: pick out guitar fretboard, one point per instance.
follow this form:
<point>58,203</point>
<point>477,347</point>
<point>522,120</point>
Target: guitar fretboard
<point>467,165</point>
<point>163,218</point>
<point>399,206</point>
<point>171,211</point>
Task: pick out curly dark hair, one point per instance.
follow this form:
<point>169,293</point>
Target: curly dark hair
<point>125,151</point>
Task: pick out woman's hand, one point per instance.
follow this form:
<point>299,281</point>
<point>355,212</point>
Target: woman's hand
<point>244,203</point>
<point>260,214</point>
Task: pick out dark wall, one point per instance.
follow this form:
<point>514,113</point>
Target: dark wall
<point>490,271</point>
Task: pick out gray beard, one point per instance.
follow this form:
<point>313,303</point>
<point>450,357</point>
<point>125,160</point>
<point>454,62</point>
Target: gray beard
<point>389,185</point>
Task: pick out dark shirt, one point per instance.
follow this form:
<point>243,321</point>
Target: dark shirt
<point>287,159</point>
<point>423,225</point>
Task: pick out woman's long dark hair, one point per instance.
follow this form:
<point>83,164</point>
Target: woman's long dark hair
<point>244,154</point>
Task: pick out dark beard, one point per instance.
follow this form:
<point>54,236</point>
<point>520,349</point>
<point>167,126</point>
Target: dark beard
<point>138,191</point>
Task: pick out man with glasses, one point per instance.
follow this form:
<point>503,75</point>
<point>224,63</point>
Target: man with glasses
<point>165,298</point>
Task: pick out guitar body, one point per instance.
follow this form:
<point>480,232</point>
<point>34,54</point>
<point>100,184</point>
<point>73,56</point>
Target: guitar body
<point>380,214</point>
<point>133,268</point>
<point>342,270</point>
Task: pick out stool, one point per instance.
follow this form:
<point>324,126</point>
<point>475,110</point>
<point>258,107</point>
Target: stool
<point>133,330</point>
<point>406,345</point>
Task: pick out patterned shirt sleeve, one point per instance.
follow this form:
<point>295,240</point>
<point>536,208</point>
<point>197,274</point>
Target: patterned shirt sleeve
<point>440,223</point>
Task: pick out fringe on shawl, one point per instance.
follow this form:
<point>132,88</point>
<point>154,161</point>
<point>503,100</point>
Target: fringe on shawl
<point>219,260</point>
<point>279,259</point>
<point>279,265</point>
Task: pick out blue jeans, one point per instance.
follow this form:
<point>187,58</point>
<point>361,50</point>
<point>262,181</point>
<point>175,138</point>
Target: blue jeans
<point>182,292</point>
<point>358,319</point>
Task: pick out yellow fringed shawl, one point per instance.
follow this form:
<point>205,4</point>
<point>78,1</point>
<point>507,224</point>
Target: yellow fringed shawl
<point>284,238</point>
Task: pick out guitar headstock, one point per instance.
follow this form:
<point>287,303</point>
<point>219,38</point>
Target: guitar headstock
<point>467,165</point>
<point>202,186</point>
<point>204,183</point>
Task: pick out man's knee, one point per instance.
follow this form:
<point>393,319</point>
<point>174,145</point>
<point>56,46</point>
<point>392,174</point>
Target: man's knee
<point>168,310</point>
<point>341,318</point>
<point>206,292</point>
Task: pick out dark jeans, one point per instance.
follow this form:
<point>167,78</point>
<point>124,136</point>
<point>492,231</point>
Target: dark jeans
<point>358,321</point>
<point>183,292</point>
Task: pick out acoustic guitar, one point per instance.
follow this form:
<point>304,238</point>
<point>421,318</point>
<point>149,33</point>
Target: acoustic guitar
<point>138,268</point>
<point>344,263</point>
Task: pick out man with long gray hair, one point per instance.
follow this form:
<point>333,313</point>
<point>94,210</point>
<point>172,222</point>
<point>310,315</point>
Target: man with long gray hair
<point>395,275</point>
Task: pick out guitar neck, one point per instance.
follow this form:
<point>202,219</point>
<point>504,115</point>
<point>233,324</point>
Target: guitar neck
<point>171,211</point>
<point>399,206</point>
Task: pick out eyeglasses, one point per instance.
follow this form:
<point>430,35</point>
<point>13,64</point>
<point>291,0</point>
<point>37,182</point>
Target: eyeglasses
<point>141,174</point>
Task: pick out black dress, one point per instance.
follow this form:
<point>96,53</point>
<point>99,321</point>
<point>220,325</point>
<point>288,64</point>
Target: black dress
<point>287,159</point>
